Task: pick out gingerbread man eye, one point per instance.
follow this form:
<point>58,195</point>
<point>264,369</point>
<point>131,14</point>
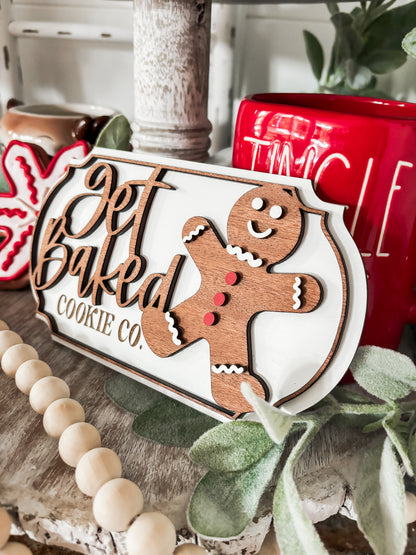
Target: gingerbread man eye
<point>276,212</point>
<point>257,203</point>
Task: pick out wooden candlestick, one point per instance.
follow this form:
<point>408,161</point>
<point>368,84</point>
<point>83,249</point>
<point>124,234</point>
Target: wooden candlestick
<point>171,66</point>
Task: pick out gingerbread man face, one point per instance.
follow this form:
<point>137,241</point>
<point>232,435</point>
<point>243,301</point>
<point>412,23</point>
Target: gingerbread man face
<point>267,222</point>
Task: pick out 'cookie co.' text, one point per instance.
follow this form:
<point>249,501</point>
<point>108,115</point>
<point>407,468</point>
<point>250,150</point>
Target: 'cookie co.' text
<point>98,319</point>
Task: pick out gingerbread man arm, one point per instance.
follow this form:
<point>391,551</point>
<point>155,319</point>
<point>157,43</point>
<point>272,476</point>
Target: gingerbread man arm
<point>164,331</point>
<point>202,242</point>
<point>290,293</point>
<point>167,332</point>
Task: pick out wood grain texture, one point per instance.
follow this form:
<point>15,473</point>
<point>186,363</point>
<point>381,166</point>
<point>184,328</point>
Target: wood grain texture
<point>171,66</point>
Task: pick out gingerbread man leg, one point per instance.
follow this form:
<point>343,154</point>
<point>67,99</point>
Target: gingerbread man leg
<point>226,379</point>
<point>226,390</point>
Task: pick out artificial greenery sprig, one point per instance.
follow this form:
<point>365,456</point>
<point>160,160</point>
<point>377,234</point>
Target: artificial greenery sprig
<point>243,459</point>
<point>367,43</point>
<point>409,43</point>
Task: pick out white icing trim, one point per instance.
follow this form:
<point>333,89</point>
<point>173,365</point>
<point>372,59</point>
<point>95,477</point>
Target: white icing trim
<point>258,234</point>
<point>194,233</point>
<point>227,368</point>
<point>173,330</point>
<point>297,293</point>
<point>245,256</point>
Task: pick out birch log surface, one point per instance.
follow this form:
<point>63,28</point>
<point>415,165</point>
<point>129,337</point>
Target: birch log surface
<point>39,490</point>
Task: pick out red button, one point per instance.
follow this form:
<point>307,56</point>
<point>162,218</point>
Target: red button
<point>220,299</point>
<point>209,319</point>
<point>231,278</point>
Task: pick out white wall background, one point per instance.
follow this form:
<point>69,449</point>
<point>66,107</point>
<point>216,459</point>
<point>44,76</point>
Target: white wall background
<point>255,48</point>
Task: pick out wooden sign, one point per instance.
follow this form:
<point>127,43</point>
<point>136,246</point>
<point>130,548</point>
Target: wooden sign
<point>196,278</point>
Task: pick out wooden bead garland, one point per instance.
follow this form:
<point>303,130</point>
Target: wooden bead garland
<point>76,440</point>
<point>98,469</point>
<point>15,356</point>
<point>116,503</point>
<point>29,373</point>
<point>15,548</point>
<point>8,338</point>
<point>189,549</point>
<point>95,468</point>
<point>151,534</point>
<point>5,526</point>
<point>60,415</point>
<point>46,391</point>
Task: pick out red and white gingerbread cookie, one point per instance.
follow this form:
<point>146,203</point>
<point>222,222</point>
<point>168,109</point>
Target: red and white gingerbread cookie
<point>264,227</point>
<point>30,174</point>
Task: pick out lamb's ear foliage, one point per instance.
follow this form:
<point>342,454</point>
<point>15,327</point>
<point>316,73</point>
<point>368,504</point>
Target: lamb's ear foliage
<point>232,485</point>
<point>244,458</point>
<point>158,417</point>
<point>409,43</point>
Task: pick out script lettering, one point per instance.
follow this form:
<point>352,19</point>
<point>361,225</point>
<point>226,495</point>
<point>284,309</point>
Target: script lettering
<point>106,201</point>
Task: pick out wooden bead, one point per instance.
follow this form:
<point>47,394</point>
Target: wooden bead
<point>151,534</point>
<point>76,440</point>
<point>189,549</point>
<point>95,468</point>
<point>29,373</point>
<point>410,507</point>
<point>60,414</point>
<point>15,548</point>
<point>3,326</point>
<point>46,391</point>
<point>8,338</point>
<point>116,503</point>
<point>5,526</point>
<point>15,356</point>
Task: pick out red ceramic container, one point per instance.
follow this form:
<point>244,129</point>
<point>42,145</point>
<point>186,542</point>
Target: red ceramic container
<point>360,152</point>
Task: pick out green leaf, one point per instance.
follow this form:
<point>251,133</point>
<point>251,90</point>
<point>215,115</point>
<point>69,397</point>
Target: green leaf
<point>223,504</point>
<point>357,77</point>
<point>363,421</point>
<point>399,443</point>
<point>333,7</point>
<point>384,373</point>
<point>131,395</point>
<point>4,186</point>
<point>409,43</point>
<point>411,450</point>
<point>314,53</point>
<point>335,78</point>
<point>379,499</point>
<point>296,535</point>
<point>374,11</point>
<point>172,423</point>
<point>344,395</point>
<point>116,134</point>
<point>231,446</point>
<point>349,39</point>
<point>276,422</point>
<point>388,30</point>
<point>383,61</point>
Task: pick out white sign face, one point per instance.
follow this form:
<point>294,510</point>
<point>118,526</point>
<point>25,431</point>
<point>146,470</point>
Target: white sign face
<point>195,278</point>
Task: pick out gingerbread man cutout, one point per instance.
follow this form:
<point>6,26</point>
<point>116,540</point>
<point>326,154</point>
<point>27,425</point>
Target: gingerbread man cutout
<point>264,227</point>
